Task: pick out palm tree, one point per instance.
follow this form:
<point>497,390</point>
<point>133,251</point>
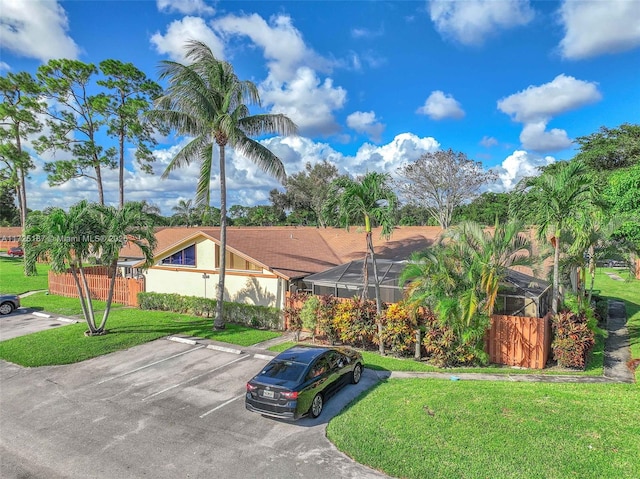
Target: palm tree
<point>127,225</point>
<point>369,198</point>
<point>184,211</point>
<point>556,196</point>
<point>67,239</point>
<point>208,103</point>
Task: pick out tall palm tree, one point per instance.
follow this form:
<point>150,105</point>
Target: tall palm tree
<point>185,211</point>
<point>207,102</point>
<point>556,196</point>
<point>368,199</point>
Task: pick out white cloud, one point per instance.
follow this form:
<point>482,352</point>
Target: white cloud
<point>516,166</point>
<point>488,141</point>
<point>440,106</point>
<point>246,184</point>
<point>4,66</point>
<point>597,28</point>
<point>186,7</point>
<point>470,22</point>
<point>366,122</point>
<point>361,32</point>
<point>562,94</point>
<point>36,29</point>
<point>535,137</point>
<point>180,31</point>
<point>537,105</point>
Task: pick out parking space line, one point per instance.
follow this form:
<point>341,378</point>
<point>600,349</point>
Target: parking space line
<point>149,365</point>
<point>222,405</point>
<point>194,378</point>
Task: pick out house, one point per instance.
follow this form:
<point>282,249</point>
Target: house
<point>262,263</point>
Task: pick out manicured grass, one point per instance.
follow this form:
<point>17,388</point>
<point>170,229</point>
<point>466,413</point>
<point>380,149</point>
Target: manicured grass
<point>13,280</point>
<point>61,305</point>
<point>416,428</point>
<point>127,327</point>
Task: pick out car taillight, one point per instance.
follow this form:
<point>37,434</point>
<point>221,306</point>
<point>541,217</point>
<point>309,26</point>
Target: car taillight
<point>289,394</point>
<point>251,387</point>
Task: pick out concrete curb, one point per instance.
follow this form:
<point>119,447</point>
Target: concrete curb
<point>41,315</point>
<point>262,356</point>
<point>178,339</point>
<point>224,349</point>
<point>67,320</point>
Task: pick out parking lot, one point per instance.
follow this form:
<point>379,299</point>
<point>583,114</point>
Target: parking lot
<point>163,409</point>
<point>23,321</point>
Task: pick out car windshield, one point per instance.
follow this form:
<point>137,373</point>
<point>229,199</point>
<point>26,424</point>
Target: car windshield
<point>286,370</point>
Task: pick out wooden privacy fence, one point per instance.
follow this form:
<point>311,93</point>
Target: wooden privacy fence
<point>125,289</point>
<point>519,341</point>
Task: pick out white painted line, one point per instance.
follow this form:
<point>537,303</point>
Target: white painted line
<point>263,356</point>
<point>149,365</point>
<point>182,340</point>
<point>222,405</point>
<point>224,349</point>
<point>67,320</point>
<point>193,378</point>
<point>42,315</point>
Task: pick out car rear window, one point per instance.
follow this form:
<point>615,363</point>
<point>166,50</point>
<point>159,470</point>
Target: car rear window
<point>286,370</point>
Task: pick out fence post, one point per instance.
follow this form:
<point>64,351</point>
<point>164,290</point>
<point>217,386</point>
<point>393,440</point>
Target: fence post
<point>417,354</point>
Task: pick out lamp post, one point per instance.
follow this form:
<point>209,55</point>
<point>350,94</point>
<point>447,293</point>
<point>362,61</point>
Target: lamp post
<point>205,276</point>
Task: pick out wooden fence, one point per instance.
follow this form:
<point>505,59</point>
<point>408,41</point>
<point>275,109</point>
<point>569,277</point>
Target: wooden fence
<point>125,289</point>
<point>519,341</point>
<point>511,340</point>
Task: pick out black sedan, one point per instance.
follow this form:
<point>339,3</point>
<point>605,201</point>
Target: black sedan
<point>299,380</point>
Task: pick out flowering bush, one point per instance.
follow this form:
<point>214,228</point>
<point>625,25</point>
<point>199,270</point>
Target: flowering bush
<point>354,322</point>
<point>573,339</point>
<point>398,332</point>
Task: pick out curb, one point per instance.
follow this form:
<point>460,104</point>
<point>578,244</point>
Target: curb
<point>178,339</point>
<point>224,349</point>
<point>41,315</point>
<point>262,356</point>
<point>67,320</point>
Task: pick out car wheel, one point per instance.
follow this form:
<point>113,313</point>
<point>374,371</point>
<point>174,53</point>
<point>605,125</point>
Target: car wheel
<point>6,308</point>
<point>316,405</point>
<point>356,374</point>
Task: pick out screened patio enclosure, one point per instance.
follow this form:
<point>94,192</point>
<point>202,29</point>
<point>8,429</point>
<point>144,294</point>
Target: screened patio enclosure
<point>346,280</point>
<point>519,295</point>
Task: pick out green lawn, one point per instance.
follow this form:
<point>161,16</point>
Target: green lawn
<point>416,428</point>
<point>127,327</point>
<point>13,280</point>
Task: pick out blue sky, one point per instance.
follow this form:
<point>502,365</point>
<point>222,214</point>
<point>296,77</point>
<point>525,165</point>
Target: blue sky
<point>372,85</point>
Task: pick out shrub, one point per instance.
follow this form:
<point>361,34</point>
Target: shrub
<point>309,315</point>
<point>355,323</point>
<point>573,339</point>
<point>240,313</point>
<point>398,332</point>
<point>326,313</point>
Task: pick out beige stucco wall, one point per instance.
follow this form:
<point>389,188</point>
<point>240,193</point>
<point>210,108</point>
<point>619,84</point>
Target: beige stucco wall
<point>263,291</point>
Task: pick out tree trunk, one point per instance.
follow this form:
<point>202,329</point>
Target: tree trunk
<point>556,274</point>
<point>121,171</point>
<point>376,285</point>
<point>218,322</point>
<point>112,284</point>
<point>91,320</point>
<point>592,271</point>
<point>99,181</point>
<point>83,304</point>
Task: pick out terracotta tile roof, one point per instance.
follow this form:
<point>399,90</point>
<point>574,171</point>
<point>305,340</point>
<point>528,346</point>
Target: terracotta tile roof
<point>294,252</point>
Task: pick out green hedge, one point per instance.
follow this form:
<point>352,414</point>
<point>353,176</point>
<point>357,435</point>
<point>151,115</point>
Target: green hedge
<point>248,314</point>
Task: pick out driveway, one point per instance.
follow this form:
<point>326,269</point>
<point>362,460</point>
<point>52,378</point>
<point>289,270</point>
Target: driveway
<point>24,321</point>
<point>161,410</point>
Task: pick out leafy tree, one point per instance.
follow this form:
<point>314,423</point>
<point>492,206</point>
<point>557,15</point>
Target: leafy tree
<point>622,195</point>
<point>66,239</point>
<point>18,119</point>
<point>610,148</point>
<point>74,119</point>
<point>130,94</point>
<point>413,215</point>
<point>206,100</point>
<point>307,189</point>
<point>367,199</point>
<point>485,209</point>
<point>554,198</point>
<point>9,214</point>
<point>441,181</point>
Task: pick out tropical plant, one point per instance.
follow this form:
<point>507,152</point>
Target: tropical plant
<point>184,212</point>
<point>67,239</point>
<point>207,102</point>
<point>367,199</point>
<point>554,197</point>
<point>309,315</point>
